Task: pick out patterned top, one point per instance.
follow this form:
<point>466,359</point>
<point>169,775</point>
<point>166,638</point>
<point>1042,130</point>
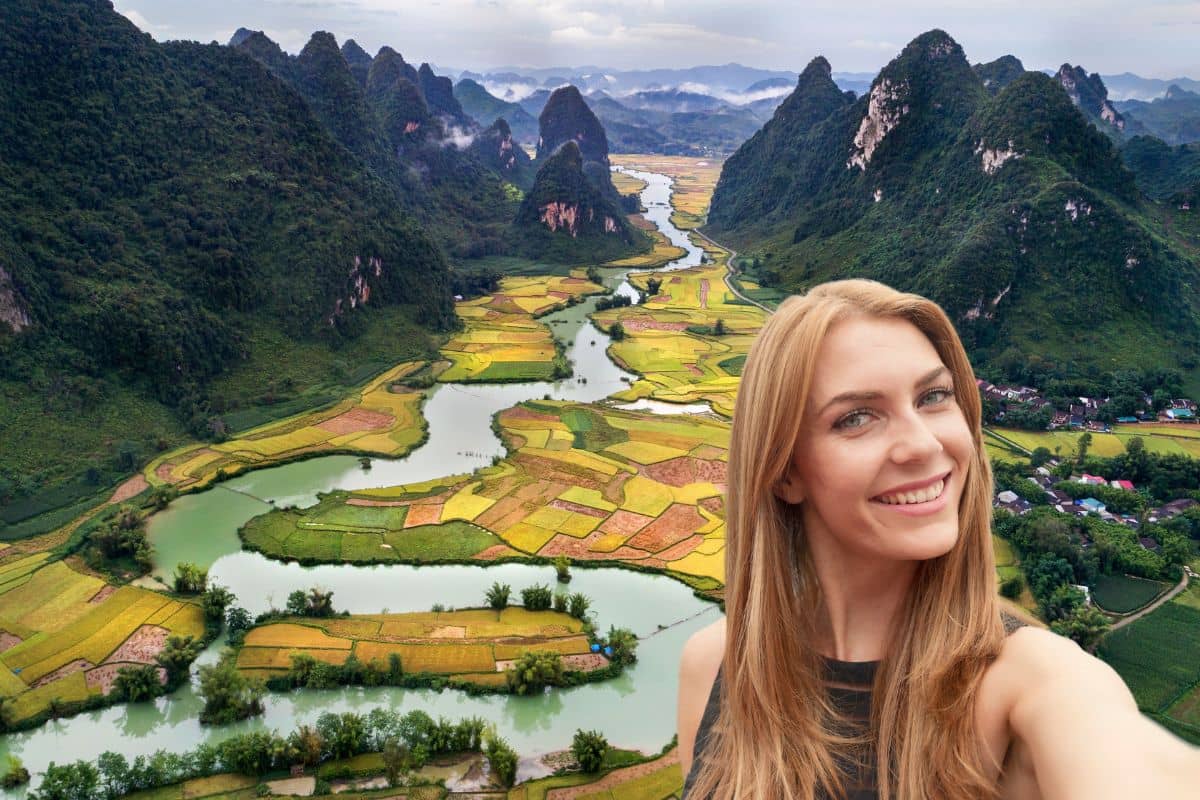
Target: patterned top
<point>849,684</point>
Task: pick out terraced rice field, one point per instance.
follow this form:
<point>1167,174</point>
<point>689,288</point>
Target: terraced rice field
<point>1156,658</point>
<point>662,253</point>
<point>670,339</point>
<point>693,179</point>
<point>64,634</point>
<point>502,340</point>
<point>473,645</point>
<point>583,481</point>
<point>384,418</point>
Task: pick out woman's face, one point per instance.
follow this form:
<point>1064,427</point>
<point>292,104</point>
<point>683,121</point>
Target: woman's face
<point>884,449</point>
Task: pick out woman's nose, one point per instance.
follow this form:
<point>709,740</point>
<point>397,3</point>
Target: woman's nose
<point>915,439</point>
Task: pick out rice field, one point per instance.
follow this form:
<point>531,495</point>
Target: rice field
<point>502,340</point>
<point>1156,657</point>
<point>693,182</point>
<point>587,482</point>
<point>383,418</point>
<point>1158,438</point>
<point>60,628</point>
<point>671,339</point>
<point>470,644</point>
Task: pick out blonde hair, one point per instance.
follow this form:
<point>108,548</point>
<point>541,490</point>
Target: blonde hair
<point>778,735</point>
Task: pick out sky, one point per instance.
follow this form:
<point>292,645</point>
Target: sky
<point>1153,38</point>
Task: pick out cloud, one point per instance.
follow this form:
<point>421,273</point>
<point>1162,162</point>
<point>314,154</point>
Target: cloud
<point>734,98</point>
<point>143,24</point>
<point>874,44</point>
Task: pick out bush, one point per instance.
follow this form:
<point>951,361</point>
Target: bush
<point>16,775</point>
<point>1012,587</point>
<point>503,761</point>
<point>534,671</point>
<point>589,748</point>
<point>537,597</point>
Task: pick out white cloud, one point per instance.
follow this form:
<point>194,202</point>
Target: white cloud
<point>143,24</point>
<point>873,44</point>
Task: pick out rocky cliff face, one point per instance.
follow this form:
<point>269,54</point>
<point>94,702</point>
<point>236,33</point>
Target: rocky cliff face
<point>1090,95</point>
<point>12,309</point>
<point>564,215</point>
<point>439,96</point>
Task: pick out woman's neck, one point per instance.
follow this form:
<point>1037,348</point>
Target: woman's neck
<point>861,599</point>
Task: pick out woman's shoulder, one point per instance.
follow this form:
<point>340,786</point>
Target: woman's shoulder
<point>703,651</point>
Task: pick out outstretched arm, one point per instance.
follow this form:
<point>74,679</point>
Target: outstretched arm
<point>1085,733</point>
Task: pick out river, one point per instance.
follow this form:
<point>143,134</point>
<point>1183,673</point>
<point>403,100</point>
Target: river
<point>636,710</point>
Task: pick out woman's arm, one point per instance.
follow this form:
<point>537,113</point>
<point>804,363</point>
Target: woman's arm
<point>698,666</point>
<point>1084,731</point>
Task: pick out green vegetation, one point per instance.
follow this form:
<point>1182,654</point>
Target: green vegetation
<point>933,207</point>
<point>589,749</point>
<point>228,694</point>
<point>222,213</point>
<point>1122,594</point>
<point>1156,658</point>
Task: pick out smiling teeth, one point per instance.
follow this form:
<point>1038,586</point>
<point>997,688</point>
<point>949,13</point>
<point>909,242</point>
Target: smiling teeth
<point>922,496</point>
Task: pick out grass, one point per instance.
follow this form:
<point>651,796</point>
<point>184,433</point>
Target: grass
<point>1122,594</point>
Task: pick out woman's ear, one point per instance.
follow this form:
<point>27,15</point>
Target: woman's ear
<point>790,489</point>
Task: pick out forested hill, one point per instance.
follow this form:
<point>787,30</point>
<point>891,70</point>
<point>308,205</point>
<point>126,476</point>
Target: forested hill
<point>1010,209</point>
<point>160,201</point>
<point>406,125</point>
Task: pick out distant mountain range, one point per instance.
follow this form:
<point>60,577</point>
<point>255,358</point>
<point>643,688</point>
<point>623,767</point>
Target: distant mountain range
<point>705,110</point>
<point>997,191</point>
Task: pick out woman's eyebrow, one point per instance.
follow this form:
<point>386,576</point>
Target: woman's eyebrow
<point>928,377</point>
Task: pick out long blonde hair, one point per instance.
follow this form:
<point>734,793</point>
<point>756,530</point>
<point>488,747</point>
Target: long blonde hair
<point>778,735</point>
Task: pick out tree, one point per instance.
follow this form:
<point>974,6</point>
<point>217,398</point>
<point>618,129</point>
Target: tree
<point>190,579</point>
<point>77,781</point>
<point>562,567</point>
<point>1012,587</point>
<point>345,734</point>
<point>616,332</point>
<point>719,328</point>
<point>589,749</point>
<point>215,601</point>
<point>578,605</point>
<point>623,643</point>
<point>653,285</point>
<point>136,684</point>
<point>177,656</point>
<point>503,761</point>
<point>297,604</point>
<point>228,694</point>
<point>1039,456</point>
<point>308,745</point>
<point>533,671</point>
<point>395,761</point>
<point>1061,602</point>
<point>497,596</point>
<point>16,774</point>
<point>237,622</point>
<point>1086,626</point>
<point>1081,447</point>
<point>320,602</point>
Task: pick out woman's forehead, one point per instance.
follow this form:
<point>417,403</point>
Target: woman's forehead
<point>871,354</point>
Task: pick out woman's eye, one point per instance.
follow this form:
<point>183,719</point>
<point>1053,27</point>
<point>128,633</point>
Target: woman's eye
<point>848,421</point>
<point>940,394</point>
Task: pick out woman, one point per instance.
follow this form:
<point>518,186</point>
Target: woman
<point>862,626</point>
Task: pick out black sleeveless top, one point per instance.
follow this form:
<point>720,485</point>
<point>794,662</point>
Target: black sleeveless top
<point>849,684</point>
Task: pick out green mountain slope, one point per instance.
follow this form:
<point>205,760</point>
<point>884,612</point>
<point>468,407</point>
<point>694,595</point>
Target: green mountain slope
<point>163,207</point>
<point>1012,211</point>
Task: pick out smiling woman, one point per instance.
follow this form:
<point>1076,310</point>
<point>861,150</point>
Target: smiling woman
<point>859,567</point>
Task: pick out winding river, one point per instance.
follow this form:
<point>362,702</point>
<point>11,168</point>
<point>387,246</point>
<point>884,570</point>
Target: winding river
<point>636,710</point>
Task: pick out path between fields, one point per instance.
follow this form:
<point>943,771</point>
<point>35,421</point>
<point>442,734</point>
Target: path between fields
<point>729,269</point>
<point>1183,583</point>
